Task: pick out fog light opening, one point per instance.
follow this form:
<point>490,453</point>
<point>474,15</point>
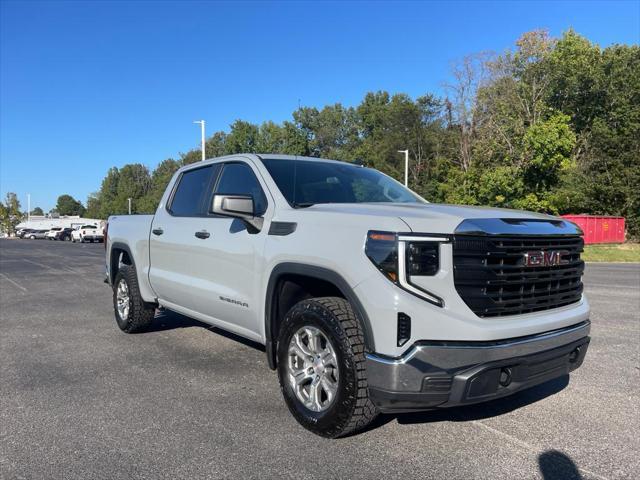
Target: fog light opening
<point>573,356</point>
<point>505,377</point>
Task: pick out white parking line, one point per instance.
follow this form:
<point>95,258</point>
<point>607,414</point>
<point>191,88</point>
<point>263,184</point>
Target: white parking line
<point>38,264</point>
<point>16,284</point>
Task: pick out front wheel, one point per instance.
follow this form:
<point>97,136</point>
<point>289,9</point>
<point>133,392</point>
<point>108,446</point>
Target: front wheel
<point>132,313</point>
<point>321,367</point>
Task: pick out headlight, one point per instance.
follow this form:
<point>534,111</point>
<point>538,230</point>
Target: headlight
<point>401,256</point>
<point>382,250</point>
<point>422,258</point>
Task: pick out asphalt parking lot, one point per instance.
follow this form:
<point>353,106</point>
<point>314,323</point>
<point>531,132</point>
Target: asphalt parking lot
<point>79,399</point>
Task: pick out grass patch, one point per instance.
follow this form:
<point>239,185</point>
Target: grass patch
<point>625,252</point>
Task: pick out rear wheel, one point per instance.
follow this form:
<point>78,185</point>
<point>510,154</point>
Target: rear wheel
<point>321,367</point>
<point>132,313</point>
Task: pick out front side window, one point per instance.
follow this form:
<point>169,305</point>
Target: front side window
<point>239,179</point>
<point>307,182</point>
<point>192,187</point>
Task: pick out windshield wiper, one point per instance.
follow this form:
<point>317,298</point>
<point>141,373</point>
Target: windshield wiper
<point>303,205</point>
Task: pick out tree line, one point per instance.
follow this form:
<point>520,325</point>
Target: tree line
<point>550,125</point>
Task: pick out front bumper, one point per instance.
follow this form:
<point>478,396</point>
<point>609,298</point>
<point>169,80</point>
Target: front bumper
<point>445,374</point>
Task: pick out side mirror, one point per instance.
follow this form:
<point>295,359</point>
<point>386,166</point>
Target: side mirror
<point>237,206</point>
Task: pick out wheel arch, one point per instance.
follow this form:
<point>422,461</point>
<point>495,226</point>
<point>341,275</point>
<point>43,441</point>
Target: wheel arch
<point>327,280</point>
<point>119,250</point>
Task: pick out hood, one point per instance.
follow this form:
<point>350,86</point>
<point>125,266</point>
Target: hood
<point>432,217</point>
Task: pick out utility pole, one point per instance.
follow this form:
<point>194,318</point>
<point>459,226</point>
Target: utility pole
<point>129,205</point>
<point>406,166</point>
<point>201,122</point>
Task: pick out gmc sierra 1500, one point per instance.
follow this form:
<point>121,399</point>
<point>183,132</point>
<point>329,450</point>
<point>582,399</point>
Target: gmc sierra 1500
<point>368,298</point>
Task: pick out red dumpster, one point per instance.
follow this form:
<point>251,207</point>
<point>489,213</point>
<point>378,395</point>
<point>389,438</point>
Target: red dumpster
<point>599,228</point>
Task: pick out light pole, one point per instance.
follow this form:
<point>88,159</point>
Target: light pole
<point>406,166</point>
<point>28,207</point>
<point>129,205</point>
<point>201,122</point>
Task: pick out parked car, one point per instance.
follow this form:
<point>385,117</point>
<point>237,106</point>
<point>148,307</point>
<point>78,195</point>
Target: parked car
<point>53,233</point>
<point>367,298</point>
<point>23,232</point>
<point>87,233</point>
<point>36,234</point>
<point>65,234</point>
<point>59,233</point>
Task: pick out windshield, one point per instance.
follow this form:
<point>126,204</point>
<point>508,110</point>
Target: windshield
<point>306,182</point>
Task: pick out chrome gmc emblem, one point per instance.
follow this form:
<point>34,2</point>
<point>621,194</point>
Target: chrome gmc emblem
<point>540,258</point>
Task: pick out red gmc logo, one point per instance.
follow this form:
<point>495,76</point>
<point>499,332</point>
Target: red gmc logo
<point>540,258</point>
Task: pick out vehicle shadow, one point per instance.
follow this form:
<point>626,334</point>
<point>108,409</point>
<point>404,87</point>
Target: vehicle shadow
<point>555,465</point>
<point>168,320</point>
<point>479,411</point>
<point>165,320</point>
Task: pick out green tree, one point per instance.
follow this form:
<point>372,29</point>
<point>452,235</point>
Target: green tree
<point>548,146</point>
<point>10,214</point>
<point>37,211</point>
<point>243,138</point>
<point>67,205</point>
<point>159,180</point>
<point>108,194</point>
<point>94,206</point>
<point>134,182</point>
<point>215,145</point>
<point>330,133</point>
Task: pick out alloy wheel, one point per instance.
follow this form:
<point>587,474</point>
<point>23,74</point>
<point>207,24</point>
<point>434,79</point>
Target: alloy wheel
<point>312,368</point>
<point>123,300</point>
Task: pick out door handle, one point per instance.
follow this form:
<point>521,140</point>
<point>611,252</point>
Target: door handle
<point>203,234</point>
<point>157,231</point>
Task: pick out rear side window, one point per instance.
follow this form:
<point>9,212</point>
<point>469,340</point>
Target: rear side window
<point>192,188</point>
<point>239,179</point>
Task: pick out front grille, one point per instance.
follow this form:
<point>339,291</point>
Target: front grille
<point>491,277</point>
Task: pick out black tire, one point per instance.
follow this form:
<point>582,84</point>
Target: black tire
<point>140,312</point>
<point>351,409</point>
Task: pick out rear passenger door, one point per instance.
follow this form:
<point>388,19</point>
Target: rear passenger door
<point>177,273</point>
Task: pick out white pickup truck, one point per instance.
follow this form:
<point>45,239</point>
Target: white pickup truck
<point>367,298</point>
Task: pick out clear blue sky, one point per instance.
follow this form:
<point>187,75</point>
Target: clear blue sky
<point>88,85</point>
